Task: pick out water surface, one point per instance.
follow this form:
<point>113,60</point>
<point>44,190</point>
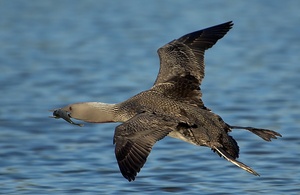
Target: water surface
<point>57,52</point>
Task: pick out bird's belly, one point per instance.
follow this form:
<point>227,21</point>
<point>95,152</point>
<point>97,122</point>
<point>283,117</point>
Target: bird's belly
<point>178,135</point>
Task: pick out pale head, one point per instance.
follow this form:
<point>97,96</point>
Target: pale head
<point>94,112</point>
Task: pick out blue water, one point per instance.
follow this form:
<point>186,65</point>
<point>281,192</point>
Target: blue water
<point>53,53</point>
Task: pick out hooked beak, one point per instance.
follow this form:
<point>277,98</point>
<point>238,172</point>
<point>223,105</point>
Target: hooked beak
<point>59,113</point>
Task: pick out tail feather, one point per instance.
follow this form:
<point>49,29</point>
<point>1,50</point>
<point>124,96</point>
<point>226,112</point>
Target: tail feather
<point>232,147</point>
<point>228,157</point>
<point>265,134</point>
<point>227,144</point>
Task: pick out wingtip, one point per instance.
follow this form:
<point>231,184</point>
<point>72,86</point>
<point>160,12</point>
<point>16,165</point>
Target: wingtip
<point>229,23</point>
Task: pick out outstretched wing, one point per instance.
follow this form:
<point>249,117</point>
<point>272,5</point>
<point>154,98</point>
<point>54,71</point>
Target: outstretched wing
<point>185,56</point>
<point>135,138</point>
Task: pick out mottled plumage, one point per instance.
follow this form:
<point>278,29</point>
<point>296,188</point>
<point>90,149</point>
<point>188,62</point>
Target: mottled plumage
<point>172,107</point>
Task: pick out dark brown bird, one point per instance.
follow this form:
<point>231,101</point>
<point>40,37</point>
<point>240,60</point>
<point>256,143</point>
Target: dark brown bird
<point>172,107</point>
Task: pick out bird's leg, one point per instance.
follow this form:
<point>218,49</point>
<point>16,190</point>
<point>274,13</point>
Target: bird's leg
<point>265,134</point>
<point>234,161</point>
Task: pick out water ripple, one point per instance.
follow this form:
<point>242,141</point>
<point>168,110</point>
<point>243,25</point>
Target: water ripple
<point>55,53</point>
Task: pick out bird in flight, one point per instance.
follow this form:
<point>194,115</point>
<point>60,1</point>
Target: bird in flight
<point>171,107</point>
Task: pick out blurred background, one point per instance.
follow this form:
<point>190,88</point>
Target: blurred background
<point>56,52</point>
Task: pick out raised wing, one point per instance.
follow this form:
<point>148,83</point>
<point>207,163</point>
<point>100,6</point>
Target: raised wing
<point>185,56</point>
<point>135,138</point>
<point>183,89</point>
